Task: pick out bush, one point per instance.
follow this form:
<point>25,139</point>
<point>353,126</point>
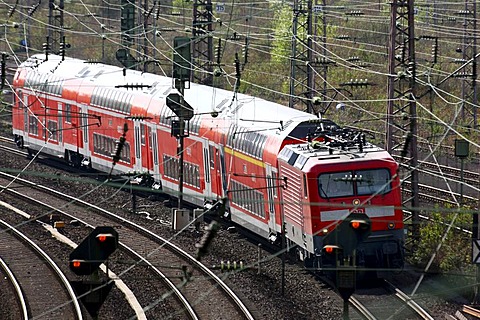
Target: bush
<point>455,252</point>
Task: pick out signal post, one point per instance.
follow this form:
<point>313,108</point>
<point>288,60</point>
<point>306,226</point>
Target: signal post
<point>182,71</point>
<point>85,260</point>
<point>342,242</point>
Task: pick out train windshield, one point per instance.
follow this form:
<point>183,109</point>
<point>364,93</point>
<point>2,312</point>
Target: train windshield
<point>351,183</point>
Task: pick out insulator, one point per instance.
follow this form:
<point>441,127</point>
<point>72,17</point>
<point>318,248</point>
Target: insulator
<point>231,266</point>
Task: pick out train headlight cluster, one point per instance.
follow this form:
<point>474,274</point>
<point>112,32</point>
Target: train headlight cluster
<point>391,225</point>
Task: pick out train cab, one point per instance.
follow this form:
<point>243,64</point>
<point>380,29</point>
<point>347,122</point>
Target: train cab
<point>334,181</point>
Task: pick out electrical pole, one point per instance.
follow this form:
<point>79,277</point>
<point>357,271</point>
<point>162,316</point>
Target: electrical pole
<point>127,26</point>
<point>143,18</point>
<point>401,130</point>
<point>301,63</point>
<point>55,25</point>
<point>202,28</point>
<point>469,71</point>
<point>324,61</point>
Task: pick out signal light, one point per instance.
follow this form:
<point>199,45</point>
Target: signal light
<point>76,263</point>
<point>348,234</point>
<point>331,248</point>
<point>359,224</point>
<point>103,237</point>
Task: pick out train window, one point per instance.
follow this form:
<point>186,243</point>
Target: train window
<point>127,152</point>
<point>137,143</point>
<point>335,184</point>
<point>155,148</point>
<point>186,172</point>
<point>197,177</point>
<point>68,113</point>
<point>206,161</point>
<point>95,143</point>
<point>212,157</point>
<point>52,128</point>
<point>80,120</point>
<point>33,125</point>
<point>375,181</point>
<point>25,119</point>
<point>44,129</point>
<point>142,134</point>
<point>271,204</point>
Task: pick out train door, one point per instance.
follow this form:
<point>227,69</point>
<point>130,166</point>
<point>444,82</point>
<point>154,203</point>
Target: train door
<point>217,170</point>
<point>83,121</point>
<point>154,146</point>
<point>271,197</point>
<point>26,137</point>
<point>207,169</point>
<point>60,125</point>
<point>138,146</point>
<point>146,146</point>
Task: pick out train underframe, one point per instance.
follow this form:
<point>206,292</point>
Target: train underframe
<point>378,258</point>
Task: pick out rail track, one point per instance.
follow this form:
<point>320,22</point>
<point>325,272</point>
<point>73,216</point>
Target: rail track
<point>194,285</point>
<point>42,290</point>
<point>387,302</point>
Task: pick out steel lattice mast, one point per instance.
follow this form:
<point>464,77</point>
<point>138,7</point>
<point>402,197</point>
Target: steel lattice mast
<point>401,126</point>
<point>55,25</point>
<point>301,67</point>
<point>469,70</point>
<point>202,42</point>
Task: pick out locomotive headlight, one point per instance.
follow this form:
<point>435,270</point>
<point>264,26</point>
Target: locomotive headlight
<point>391,225</point>
<point>324,231</point>
<point>356,202</point>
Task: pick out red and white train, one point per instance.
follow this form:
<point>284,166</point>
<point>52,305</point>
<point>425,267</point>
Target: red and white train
<point>275,164</point>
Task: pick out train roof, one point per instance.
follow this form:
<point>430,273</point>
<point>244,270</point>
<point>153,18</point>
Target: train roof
<point>247,111</point>
<point>331,149</point>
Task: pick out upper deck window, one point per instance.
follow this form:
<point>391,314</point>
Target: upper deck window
<point>350,183</point>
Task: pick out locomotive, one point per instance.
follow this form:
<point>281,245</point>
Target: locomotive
<point>286,174</point>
